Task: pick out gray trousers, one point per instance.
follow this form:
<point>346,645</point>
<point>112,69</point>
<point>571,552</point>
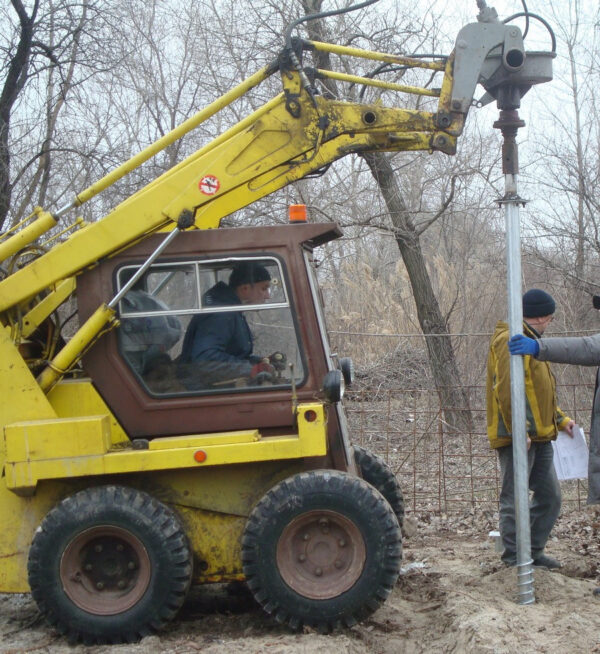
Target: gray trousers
<point>544,506</point>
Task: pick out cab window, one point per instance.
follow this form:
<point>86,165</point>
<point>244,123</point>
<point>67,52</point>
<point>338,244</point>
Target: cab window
<point>209,326</point>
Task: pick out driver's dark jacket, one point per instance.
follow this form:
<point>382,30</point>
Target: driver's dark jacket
<point>217,346</point>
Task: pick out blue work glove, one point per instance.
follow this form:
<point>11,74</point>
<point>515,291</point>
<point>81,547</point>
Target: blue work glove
<point>520,344</point>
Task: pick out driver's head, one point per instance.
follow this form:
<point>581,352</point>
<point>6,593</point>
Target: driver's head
<point>251,282</point>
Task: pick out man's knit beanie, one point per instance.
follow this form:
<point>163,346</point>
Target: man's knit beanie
<point>538,303</point>
<point>248,272</point>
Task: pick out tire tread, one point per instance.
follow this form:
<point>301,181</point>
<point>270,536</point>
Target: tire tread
<point>80,511</point>
<point>288,498</point>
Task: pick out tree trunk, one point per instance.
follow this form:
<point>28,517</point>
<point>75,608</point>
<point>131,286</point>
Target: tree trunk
<point>454,399</point>
<point>13,84</point>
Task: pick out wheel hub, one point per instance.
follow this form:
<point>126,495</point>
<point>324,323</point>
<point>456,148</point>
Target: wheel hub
<point>321,554</point>
<point>105,570</point>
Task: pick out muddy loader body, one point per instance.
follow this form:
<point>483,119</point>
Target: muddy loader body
<point>216,462</point>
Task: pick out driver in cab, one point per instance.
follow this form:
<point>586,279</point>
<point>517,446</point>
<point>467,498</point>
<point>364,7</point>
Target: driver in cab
<point>217,348</point>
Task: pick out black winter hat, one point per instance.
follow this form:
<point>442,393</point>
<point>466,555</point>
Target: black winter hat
<point>248,272</point>
<point>538,303</point>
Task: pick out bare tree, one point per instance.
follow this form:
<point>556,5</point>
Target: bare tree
<point>49,50</point>
<point>407,235</point>
<point>19,54</point>
<point>562,227</point>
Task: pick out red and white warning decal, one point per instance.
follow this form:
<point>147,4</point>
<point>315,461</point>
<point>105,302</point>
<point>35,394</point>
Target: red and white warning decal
<point>209,185</point>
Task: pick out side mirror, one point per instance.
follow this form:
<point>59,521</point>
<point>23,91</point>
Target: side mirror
<point>347,368</point>
<point>333,386</point>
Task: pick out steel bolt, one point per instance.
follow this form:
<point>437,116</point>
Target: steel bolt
<point>99,585</point>
<point>318,572</point>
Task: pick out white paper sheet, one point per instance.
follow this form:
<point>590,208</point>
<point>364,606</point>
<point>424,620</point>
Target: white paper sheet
<point>571,455</point>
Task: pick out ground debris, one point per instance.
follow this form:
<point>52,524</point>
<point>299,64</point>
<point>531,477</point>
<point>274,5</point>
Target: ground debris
<point>454,596</point>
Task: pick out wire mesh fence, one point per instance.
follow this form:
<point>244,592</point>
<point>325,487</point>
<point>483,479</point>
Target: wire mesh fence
<point>439,469</point>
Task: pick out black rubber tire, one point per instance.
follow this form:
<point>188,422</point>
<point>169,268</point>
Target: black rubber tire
<point>330,493</point>
<point>376,471</point>
<point>127,512</point>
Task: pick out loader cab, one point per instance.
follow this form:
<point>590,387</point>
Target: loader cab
<point>186,356</point>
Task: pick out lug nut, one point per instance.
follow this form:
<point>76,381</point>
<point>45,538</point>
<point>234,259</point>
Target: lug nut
<point>318,572</point>
<point>98,548</point>
<point>121,584</point>
<point>119,547</point>
<point>338,564</point>
<point>306,537</point>
<point>342,542</point>
<point>99,585</point>
<point>131,565</point>
<point>88,567</point>
<point>302,558</point>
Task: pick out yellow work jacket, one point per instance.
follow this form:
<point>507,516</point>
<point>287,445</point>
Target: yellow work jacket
<point>544,417</point>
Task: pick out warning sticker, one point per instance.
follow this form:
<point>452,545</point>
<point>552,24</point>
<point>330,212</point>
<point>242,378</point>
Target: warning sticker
<point>209,185</point>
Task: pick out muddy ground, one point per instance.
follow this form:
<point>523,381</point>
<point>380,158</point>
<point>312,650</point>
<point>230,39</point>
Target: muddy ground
<point>453,596</point>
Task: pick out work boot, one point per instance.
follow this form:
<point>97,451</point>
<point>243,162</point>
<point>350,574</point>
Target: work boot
<point>509,558</point>
<point>544,561</point>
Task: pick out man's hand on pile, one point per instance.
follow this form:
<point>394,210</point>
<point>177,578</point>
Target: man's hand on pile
<point>520,344</point>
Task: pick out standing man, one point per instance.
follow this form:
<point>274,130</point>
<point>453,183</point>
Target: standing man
<point>583,351</point>
<point>544,419</point>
